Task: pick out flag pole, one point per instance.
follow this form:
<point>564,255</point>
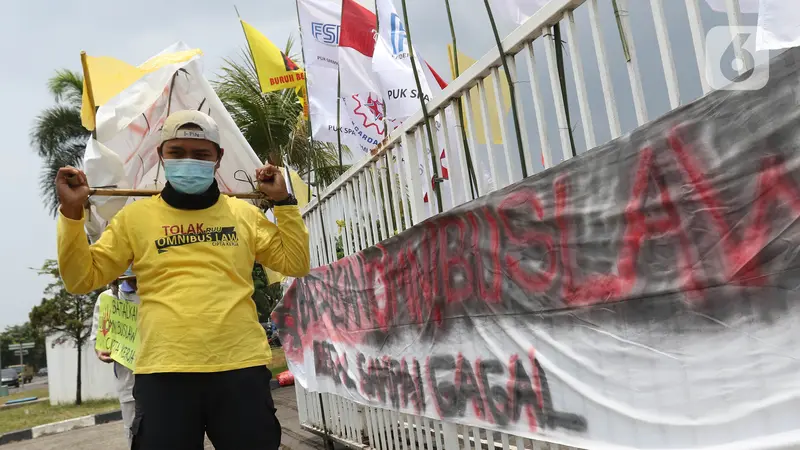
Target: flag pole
<point>563,83</point>
<point>511,90</point>
<point>72,179</point>
<point>473,182</point>
<point>434,151</point>
<point>339,116</point>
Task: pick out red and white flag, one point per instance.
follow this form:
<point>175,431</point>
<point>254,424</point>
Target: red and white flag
<point>363,107</point>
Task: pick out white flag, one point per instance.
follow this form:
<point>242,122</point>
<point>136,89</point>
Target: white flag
<point>517,11</point>
<point>778,24</point>
<point>745,6</point>
<point>362,105</point>
<point>130,126</point>
<point>392,65</point>
<point>320,24</point>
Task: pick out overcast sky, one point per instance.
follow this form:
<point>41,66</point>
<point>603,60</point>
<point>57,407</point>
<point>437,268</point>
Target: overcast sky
<point>41,36</point>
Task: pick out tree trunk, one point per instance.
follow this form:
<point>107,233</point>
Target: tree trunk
<point>78,381</point>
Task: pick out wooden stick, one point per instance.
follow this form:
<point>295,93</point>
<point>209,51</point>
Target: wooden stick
<point>152,192</point>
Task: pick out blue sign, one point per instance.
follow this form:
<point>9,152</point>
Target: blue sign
<point>398,33</point>
<point>327,33</point>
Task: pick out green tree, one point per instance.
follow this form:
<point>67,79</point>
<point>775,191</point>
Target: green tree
<point>273,123</point>
<point>36,356</point>
<point>57,134</point>
<point>66,315</point>
<point>266,296</point>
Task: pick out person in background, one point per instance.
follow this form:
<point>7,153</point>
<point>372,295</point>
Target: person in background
<point>201,365</point>
<point>125,291</point>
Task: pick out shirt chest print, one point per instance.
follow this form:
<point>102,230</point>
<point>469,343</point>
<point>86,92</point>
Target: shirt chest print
<point>195,233</point>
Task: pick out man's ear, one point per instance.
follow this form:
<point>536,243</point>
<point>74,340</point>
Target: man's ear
<point>219,160</point>
<point>160,152</point>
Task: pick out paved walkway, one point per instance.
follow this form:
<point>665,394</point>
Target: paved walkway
<point>109,436</point>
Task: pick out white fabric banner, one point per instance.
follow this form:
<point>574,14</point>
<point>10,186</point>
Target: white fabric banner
<point>778,24</point>
<point>129,125</point>
<point>320,25</point>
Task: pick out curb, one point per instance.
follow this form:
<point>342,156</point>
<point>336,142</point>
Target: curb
<point>60,427</point>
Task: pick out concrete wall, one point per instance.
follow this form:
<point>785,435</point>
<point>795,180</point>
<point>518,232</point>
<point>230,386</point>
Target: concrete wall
<point>98,377</point>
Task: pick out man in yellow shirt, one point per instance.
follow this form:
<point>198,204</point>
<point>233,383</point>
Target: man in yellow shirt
<point>201,366</point>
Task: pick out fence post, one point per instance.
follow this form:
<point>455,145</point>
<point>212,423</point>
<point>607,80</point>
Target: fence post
<point>450,434</point>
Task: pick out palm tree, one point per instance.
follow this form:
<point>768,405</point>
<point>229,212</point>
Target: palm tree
<point>273,123</point>
<point>57,133</point>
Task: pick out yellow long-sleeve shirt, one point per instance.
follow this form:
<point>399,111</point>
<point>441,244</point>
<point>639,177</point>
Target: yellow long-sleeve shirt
<point>194,274</point>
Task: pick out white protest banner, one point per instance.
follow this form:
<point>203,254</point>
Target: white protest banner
<point>642,296</point>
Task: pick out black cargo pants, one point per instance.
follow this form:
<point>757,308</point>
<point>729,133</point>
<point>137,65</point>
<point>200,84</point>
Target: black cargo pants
<point>174,411</point>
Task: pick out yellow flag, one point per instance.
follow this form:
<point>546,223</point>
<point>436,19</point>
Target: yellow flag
<point>275,70</point>
<point>464,62</point>
<point>300,189</point>
<point>110,76</point>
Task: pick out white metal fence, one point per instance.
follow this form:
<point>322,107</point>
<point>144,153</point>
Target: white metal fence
<point>615,84</point>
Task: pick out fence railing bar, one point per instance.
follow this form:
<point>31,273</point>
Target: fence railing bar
<point>361,211</point>
<point>473,144</point>
<point>487,130</point>
<point>413,181</point>
<point>605,74</point>
<point>538,107</point>
<point>449,154</point>
<point>580,80</point>
<point>734,22</point>
<point>555,86</point>
<point>698,41</point>
<point>505,132</point>
<point>352,227</point>
<point>664,46</point>
<point>633,69</point>
<point>420,138</point>
<point>527,147</point>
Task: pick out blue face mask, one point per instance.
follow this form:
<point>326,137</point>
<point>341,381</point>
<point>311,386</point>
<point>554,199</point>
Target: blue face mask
<point>127,288</point>
<point>189,176</point>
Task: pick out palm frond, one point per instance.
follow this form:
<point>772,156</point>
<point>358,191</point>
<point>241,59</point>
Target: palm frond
<point>55,128</point>
<point>67,87</point>
<point>69,154</point>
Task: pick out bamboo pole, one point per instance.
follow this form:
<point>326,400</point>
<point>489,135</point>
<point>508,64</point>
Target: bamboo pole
<point>562,79</point>
<point>425,116</point>
<point>109,192</point>
<point>473,182</point>
<point>511,90</point>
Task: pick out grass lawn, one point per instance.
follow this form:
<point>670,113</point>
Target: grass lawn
<point>40,393</point>
<point>23,417</point>
<point>278,363</point>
